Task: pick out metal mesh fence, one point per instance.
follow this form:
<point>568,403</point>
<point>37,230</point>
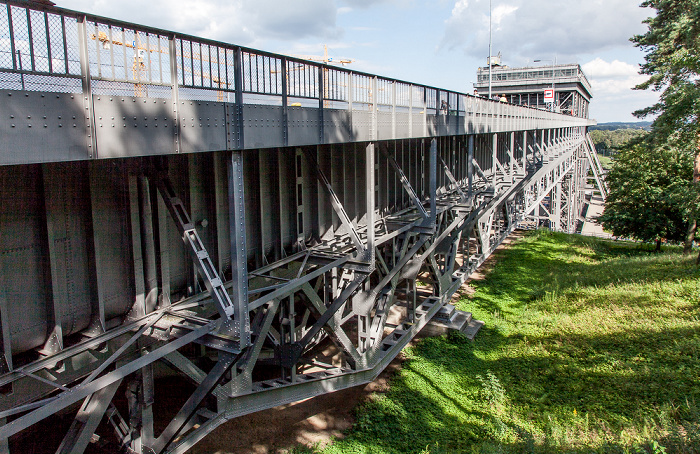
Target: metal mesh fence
<point>361,88</point>
<point>203,66</point>
<point>403,91</point>
<point>5,41</point>
<point>431,98</point>
<point>136,61</point>
<point>39,43</point>
<point>262,74</point>
<point>418,96</point>
<point>57,44</point>
<point>302,80</point>
<point>72,47</point>
<point>21,39</point>
<point>129,89</point>
<point>335,84</point>
<point>384,93</point>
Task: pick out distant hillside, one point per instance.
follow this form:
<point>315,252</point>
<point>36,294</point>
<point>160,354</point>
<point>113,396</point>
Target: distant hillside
<point>612,126</point>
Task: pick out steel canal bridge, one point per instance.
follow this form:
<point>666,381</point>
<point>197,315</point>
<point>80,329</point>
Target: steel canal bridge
<point>268,228</point>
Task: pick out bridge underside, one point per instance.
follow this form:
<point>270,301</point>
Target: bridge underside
<point>103,289</point>
<point>264,229</point>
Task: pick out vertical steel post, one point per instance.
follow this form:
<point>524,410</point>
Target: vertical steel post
<point>393,109</point>
<point>175,88</point>
<point>433,182</point>
<point>238,114</point>
<point>239,262</point>
<point>321,88</point>
<point>494,158</point>
<point>285,104</point>
<point>87,88</point>
<point>410,111</point>
<point>524,152</point>
<point>374,133</point>
<point>370,191</point>
<point>470,167</point>
<point>511,159</point>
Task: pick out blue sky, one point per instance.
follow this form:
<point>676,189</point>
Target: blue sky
<point>440,43</point>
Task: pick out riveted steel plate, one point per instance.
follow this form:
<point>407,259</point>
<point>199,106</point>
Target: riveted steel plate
<point>418,125</point>
<point>263,126</point>
<point>41,127</point>
<point>432,125</point>
<point>22,256</point>
<point>384,126</point>
<point>442,124</point>
<point>202,126</point>
<point>337,126</point>
<point>131,126</point>
<point>402,121</point>
<point>303,125</point>
<point>361,125</point>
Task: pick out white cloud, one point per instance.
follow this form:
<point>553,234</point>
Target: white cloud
<point>245,22</point>
<point>501,12</point>
<point>612,78</point>
<point>530,29</point>
<point>616,68</point>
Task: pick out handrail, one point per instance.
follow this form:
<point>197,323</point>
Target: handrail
<point>45,41</point>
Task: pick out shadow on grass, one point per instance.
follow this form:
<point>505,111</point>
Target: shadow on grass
<point>633,388</point>
<point>532,268</point>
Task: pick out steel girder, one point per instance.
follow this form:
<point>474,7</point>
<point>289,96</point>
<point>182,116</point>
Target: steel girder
<point>324,318</point>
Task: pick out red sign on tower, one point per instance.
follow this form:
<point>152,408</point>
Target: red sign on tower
<point>549,95</point>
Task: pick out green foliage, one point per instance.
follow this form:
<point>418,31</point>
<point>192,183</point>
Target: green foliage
<point>650,193</point>
<point>608,141</point>
<point>598,350</point>
<point>672,62</point>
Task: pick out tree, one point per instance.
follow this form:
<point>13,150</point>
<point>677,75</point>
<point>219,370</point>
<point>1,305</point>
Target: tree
<point>648,193</point>
<point>672,43</point>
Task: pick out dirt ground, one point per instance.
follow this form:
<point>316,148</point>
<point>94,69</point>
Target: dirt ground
<point>312,421</point>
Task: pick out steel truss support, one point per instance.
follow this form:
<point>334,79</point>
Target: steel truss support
<point>329,316</point>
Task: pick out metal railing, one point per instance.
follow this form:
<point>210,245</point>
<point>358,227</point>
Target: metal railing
<point>53,49</point>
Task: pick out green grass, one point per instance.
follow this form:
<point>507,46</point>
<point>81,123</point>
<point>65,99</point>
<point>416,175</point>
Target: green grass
<point>605,162</point>
<point>589,346</point>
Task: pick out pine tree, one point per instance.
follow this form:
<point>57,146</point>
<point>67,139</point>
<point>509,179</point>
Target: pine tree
<point>672,43</point>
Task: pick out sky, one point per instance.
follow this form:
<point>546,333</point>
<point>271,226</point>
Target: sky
<point>439,43</point>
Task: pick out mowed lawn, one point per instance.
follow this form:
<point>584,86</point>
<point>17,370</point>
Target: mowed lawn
<point>589,346</point>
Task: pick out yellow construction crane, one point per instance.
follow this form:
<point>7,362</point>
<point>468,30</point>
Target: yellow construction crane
<point>325,58</point>
<point>139,68</point>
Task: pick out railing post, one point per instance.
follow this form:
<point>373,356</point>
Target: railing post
<point>285,104</point>
<point>370,191</point>
<point>175,89</point>
<point>321,88</point>
<point>393,109</point>
<point>494,158</point>
<point>410,110</point>
<point>470,167</point>
<point>87,87</point>
<point>374,133</point>
<point>238,83</point>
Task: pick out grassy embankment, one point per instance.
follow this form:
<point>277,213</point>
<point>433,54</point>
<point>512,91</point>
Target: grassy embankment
<point>605,162</point>
<point>589,346</point>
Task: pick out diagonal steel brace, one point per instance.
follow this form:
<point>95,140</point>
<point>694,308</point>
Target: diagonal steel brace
<point>406,184</point>
<point>199,254</point>
<point>337,206</point>
<point>453,180</point>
